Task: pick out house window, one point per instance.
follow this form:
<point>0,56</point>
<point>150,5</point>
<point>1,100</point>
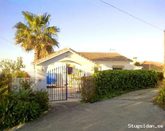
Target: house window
<point>70,70</point>
<point>117,67</point>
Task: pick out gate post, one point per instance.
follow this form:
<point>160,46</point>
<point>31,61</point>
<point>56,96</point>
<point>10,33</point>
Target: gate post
<point>66,82</point>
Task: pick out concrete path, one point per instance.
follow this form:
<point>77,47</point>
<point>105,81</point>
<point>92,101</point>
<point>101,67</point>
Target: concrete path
<point>131,109</point>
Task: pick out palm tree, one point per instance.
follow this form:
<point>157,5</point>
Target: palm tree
<point>36,34</point>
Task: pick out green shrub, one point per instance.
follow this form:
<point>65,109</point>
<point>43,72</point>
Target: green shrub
<point>160,99</point>
<point>22,106</point>
<point>112,80</point>
<point>5,84</point>
<point>42,98</point>
<point>6,116</point>
<point>21,74</point>
<point>26,111</point>
<point>26,84</point>
<point>160,75</point>
<point>110,83</point>
<point>88,91</point>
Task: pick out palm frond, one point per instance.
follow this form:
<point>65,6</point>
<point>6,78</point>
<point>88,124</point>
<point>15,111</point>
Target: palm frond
<point>21,25</point>
<point>27,46</point>
<point>45,19</point>
<point>36,34</point>
<point>53,30</point>
<point>29,17</point>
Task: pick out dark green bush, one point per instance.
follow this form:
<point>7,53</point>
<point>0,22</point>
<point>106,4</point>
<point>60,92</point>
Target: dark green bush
<point>22,106</point>
<point>160,75</point>
<point>111,83</point>
<point>111,80</point>
<point>42,98</point>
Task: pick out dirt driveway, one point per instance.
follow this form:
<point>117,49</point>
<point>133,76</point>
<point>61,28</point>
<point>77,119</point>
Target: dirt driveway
<point>134,108</point>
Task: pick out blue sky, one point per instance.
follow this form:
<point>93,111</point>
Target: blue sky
<point>89,25</point>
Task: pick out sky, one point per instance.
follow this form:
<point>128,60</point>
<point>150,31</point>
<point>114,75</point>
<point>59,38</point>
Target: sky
<point>90,25</point>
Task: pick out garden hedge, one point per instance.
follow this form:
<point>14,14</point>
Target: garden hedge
<point>111,82</point>
<point>20,106</point>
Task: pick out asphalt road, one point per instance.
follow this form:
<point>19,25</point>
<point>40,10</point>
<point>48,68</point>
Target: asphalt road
<point>131,111</point>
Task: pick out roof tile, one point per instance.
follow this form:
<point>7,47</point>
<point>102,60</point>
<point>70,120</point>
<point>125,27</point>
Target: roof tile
<point>104,56</point>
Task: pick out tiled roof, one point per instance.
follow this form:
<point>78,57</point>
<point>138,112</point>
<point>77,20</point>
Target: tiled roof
<point>152,63</point>
<point>94,56</point>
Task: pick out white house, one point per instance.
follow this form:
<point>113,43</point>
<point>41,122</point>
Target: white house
<point>86,62</point>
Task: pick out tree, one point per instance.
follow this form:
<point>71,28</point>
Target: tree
<point>14,68</point>
<point>36,34</point>
<point>10,69</point>
<point>137,63</point>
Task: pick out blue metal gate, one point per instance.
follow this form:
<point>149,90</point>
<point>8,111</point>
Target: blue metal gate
<point>57,83</point>
<point>64,82</point>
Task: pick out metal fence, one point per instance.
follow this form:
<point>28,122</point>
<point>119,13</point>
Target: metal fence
<point>64,82</point>
<point>57,83</point>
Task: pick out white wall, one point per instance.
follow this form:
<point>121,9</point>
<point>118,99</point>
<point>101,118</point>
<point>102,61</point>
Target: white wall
<point>109,64</point>
<point>86,65</point>
<point>67,58</point>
